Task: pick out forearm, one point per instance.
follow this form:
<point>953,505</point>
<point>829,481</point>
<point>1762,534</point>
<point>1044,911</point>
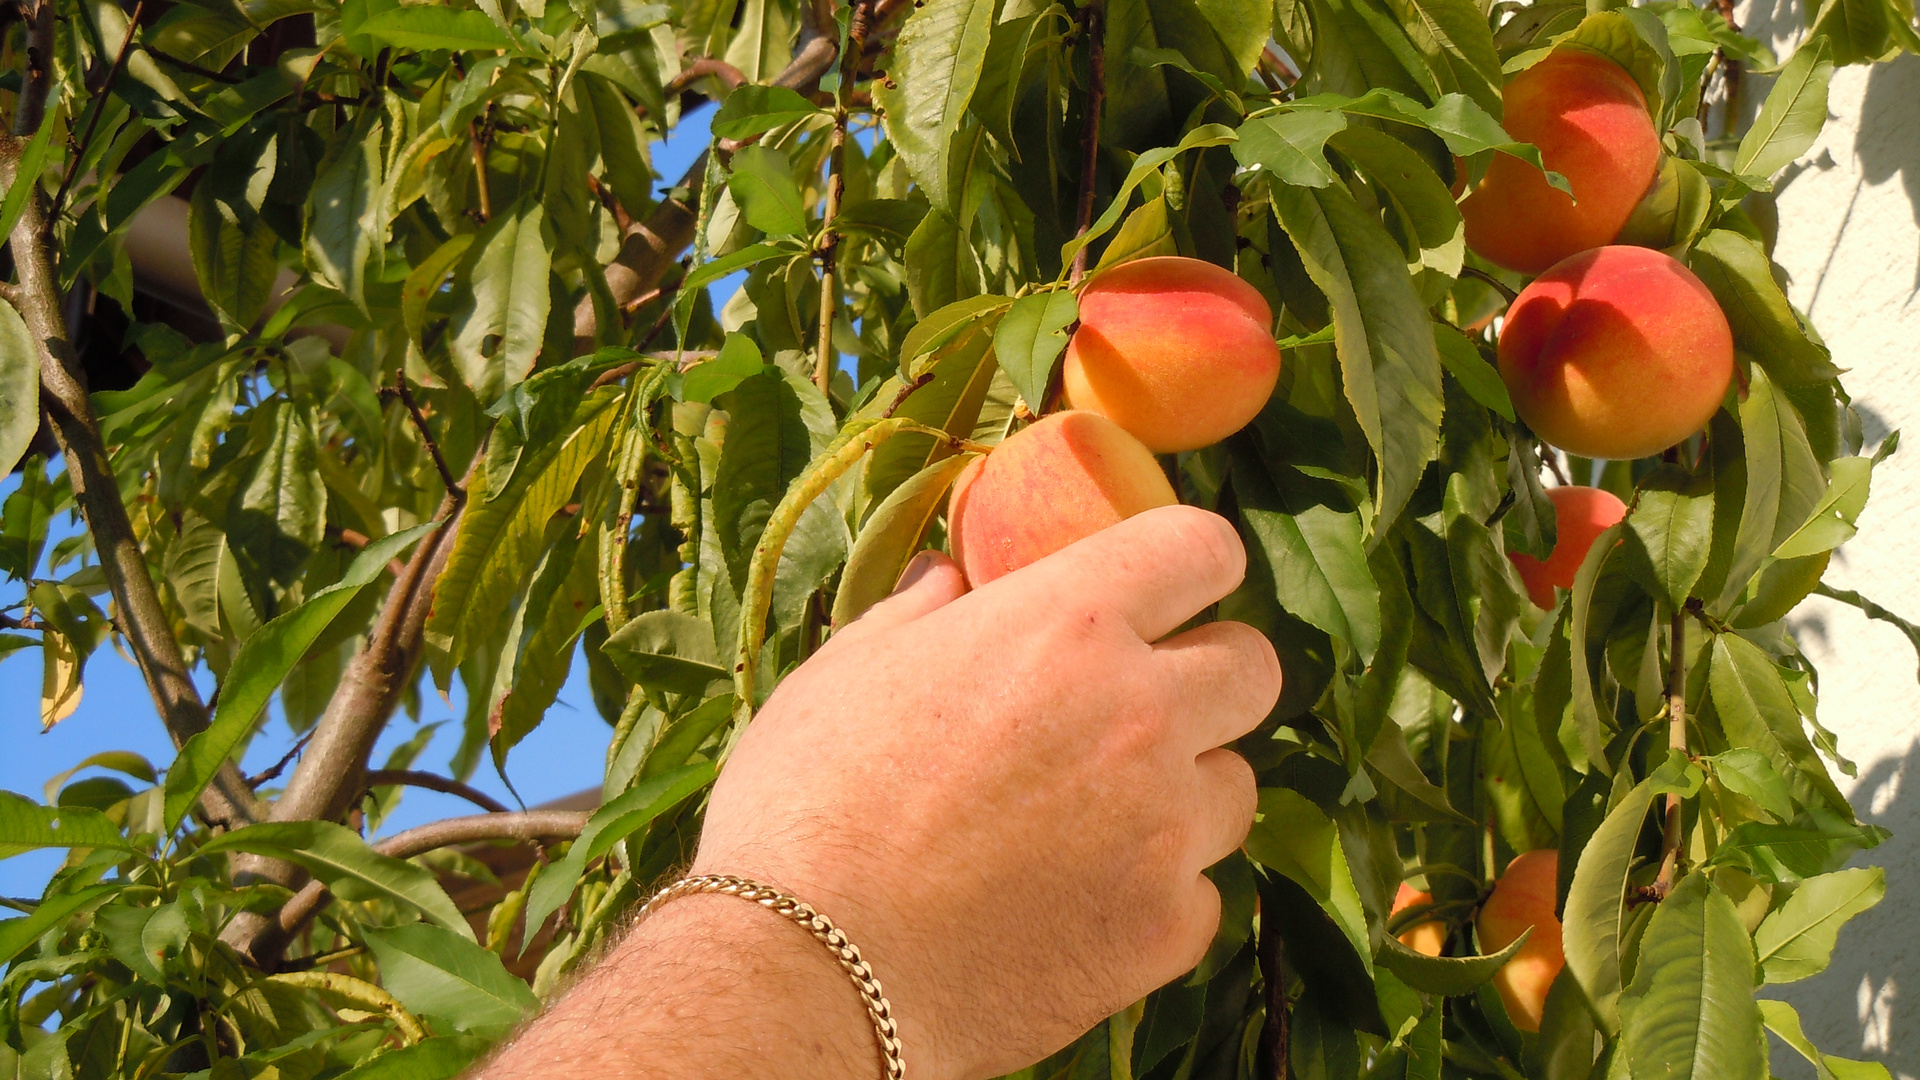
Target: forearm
<point>706,986</point>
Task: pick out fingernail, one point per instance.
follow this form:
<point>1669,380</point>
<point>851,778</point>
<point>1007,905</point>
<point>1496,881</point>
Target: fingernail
<point>916,569</point>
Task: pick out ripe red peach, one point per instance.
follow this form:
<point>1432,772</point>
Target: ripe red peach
<point>1178,351</point>
<point>1619,352</point>
<point>1061,480</point>
<point>1427,936</point>
<point>1581,514</point>
<point>1590,121</point>
<point>1524,897</point>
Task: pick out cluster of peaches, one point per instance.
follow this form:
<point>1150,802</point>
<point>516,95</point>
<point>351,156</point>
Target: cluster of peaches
<point>1613,351</point>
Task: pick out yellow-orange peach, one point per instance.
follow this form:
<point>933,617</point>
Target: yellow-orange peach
<point>1428,936</point>
<point>1061,480</point>
<point>1178,351</point>
<point>1580,514</point>
<point>1522,898</point>
<point>1590,121</point>
<point>1619,352</point>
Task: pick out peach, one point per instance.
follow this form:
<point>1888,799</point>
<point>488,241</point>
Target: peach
<point>1590,121</point>
<point>1524,897</point>
<point>1177,351</point>
<point>1619,352</point>
<point>1580,514</point>
<point>1427,936</point>
<point>1061,480</point>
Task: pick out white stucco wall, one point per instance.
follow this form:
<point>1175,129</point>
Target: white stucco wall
<point>1850,238</point>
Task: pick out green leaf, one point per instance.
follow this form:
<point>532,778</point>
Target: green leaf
<point>1832,521</point>
<point>1478,378</point>
<point>1794,113</point>
<point>1765,326</point>
<point>262,664</point>
<point>426,281</point>
<point>1030,338</point>
<point>497,333</point>
<point>424,27</point>
<point>1690,1012</point>
<point>336,854</point>
<point>1452,976</point>
<point>235,256</point>
<point>19,387</point>
<point>1419,205</point>
<point>1143,166</point>
<point>438,973</point>
<point>1464,126</point>
<point>753,110</point>
<point>1293,837</point>
<point>1817,842</point>
<point>1757,711</point>
<point>1782,1020</point>
<point>739,358</point>
<point>761,180</point>
<point>276,521</point>
<point>1389,365</point>
<point>345,226</point>
<point>936,65</point>
<point>1861,31</point>
<point>767,446</point>
<point>943,326</point>
<point>1314,551</point>
<point>891,537</point>
<point>1783,483</point>
<point>1147,232</point>
<point>1749,772</point>
<point>1670,533</point>
<point>26,175</point>
<point>440,1058</point>
<point>1291,145</point>
<point>667,651</point>
<point>26,825</point>
<point>1594,922</point>
<point>16,935</point>
<point>628,813</point>
<point>1455,39</point>
<point>1797,939</point>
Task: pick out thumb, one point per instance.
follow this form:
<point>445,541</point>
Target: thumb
<point>930,581</point>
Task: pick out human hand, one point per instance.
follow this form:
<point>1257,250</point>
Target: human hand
<point>1006,797</point>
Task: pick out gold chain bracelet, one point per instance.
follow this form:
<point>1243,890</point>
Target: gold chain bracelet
<point>885,1031</point>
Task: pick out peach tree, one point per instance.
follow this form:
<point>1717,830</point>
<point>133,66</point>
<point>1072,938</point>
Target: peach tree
<point>461,391</point>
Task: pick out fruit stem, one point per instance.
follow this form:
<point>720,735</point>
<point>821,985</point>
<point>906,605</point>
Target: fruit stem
<point>1490,281</point>
<point>1093,24</point>
<point>1676,740</point>
<point>827,249</point>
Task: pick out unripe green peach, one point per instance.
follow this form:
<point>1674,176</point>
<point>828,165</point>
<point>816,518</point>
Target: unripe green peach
<point>1590,121</point>
<point>1619,352</point>
<point>1525,897</point>
<point>1178,351</point>
<point>1061,480</point>
<point>1580,515</point>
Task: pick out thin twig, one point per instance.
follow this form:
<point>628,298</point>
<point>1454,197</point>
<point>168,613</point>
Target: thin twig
<point>435,782</point>
<point>195,69</point>
<point>703,67</point>
<point>1553,466</point>
<point>521,825</point>
<point>426,436</point>
<point>905,393</point>
<point>1671,838</point>
<point>480,170</point>
<point>829,247</point>
<point>93,118</point>
<point>273,772</point>
<point>1093,25</point>
<point>1490,281</point>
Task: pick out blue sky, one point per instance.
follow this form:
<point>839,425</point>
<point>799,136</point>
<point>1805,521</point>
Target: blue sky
<point>562,756</point>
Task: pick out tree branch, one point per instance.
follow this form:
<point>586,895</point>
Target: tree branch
<point>93,117</point>
<point>1671,838</point>
<point>426,435</point>
<point>446,785</point>
<point>1093,24</point>
<point>523,825</point>
<point>140,617</point>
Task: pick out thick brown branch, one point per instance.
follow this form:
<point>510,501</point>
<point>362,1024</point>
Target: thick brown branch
<point>524,825</point>
<point>1093,26</point>
<point>446,785</point>
<point>139,615</point>
<point>703,67</point>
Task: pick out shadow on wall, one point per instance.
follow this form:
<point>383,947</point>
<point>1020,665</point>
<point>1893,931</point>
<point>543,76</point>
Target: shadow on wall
<point>1888,138</point>
<point>1859,1007</point>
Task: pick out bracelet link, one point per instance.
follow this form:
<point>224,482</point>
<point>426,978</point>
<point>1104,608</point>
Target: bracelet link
<point>879,1010</point>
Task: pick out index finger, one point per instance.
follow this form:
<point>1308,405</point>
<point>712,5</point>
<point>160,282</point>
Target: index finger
<point>1156,569</point>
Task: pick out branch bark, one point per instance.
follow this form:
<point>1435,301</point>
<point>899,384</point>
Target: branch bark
<point>524,825</point>
<point>63,385</point>
<point>435,782</point>
<point>1671,836</point>
<point>829,248</point>
<point>1093,23</point>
